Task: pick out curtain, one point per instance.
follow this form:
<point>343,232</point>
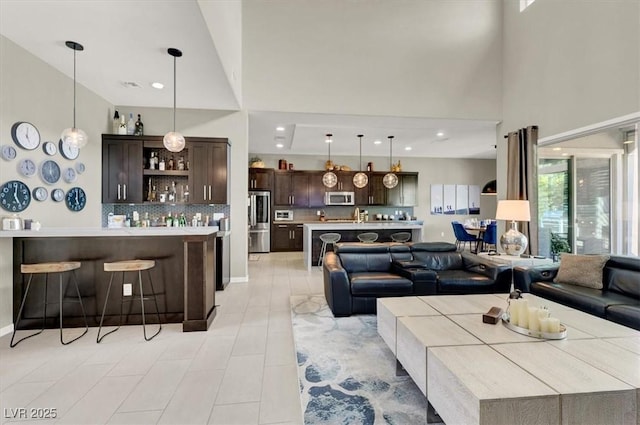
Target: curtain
<point>522,178</point>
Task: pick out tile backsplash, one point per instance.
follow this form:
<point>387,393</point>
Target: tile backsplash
<point>156,210</point>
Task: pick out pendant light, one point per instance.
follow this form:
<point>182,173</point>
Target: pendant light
<point>329,179</point>
<point>74,136</point>
<point>360,179</point>
<point>390,180</point>
<point>173,140</point>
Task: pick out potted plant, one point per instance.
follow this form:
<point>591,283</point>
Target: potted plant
<point>559,244</point>
<point>256,162</point>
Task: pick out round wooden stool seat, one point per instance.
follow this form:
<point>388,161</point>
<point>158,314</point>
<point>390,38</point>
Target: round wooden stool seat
<point>129,265</point>
<point>53,267</point>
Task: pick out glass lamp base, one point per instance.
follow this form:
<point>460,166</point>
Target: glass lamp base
<point>513,242</point>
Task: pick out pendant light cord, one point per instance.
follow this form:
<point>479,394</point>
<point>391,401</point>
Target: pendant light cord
<point>390,151</point>
<point>174,94</point>
<point>74,88</point>
<point>360,164</point>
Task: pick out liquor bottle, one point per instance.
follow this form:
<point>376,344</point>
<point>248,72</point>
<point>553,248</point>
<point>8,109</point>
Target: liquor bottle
<point>116,122</point>
<point>123,126</point>
<point>152,161</point>
<point>150,191</point>
<point>169,220</point>
<point>186,194</point>
<point>130,125</point>
<point>172,164</point>
<point>154,194</point>
<point>181,163</point>
<point>172,192</point>
<point>161,165</point>
<point>139,127</point>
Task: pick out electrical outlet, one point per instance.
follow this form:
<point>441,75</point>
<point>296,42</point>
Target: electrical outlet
<point>127,289</point>
<point>442,234</point>
<point>318,213</point>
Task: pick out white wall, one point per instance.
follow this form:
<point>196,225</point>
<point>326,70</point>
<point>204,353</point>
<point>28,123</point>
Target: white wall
<point>400,58</point>
<point>35,92</point>
<point>431,171</point>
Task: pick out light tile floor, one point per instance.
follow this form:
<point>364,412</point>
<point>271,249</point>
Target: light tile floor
<point>241,371</point>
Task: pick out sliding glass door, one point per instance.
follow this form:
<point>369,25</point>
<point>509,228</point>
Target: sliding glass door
<point>593,206</point>
<point>554,206</point>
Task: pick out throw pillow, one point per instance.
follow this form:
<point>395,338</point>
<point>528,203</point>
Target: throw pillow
<point>582,270</point>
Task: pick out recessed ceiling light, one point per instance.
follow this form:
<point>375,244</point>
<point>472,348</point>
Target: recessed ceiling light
<point>158,86</point>
<point>279,145</point>
<point>377,142</point>
<point>407,148</point>
<point>557,149</point>
<point>279,128</point>
<point>440,134</point>
<point>131,85</point>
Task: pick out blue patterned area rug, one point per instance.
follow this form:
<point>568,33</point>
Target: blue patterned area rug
<point>347,374</point>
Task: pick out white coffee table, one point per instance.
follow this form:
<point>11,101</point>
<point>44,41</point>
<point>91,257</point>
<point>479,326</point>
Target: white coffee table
<point>576,380</point>
<point>388,311</point>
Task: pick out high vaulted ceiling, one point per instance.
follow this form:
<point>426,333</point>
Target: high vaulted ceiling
<point>126,50</point>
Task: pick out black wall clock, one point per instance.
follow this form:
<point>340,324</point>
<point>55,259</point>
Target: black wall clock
<point>50,171</point>
<point>76,199</point>
<point>15,196</point>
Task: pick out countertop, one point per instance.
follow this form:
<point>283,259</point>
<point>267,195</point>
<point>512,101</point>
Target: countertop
<point>62,232</point>
<point>320,225</point>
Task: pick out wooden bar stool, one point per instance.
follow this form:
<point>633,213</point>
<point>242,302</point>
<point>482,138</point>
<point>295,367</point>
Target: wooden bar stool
<point>46,268</point>
<point>130,266</point>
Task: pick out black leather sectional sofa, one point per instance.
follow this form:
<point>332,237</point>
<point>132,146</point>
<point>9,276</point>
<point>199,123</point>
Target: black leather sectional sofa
<point>356,274</point>
<point>618,300</point>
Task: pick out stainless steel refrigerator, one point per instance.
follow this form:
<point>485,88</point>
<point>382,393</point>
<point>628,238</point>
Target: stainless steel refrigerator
<point>259,221</point>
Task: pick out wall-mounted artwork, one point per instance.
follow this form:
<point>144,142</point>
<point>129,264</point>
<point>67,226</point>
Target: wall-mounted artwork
<point>462,199</point>
<point>450,199</point>
<point>474,200</point>
<point>436,199</point>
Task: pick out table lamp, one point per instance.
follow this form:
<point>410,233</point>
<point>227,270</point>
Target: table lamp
<point>513,242</point>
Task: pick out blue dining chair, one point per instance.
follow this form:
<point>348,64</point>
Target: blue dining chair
<point>490,237</point>
<point>462,236</point>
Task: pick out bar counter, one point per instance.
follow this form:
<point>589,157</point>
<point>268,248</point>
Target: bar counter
<point>183,276</point>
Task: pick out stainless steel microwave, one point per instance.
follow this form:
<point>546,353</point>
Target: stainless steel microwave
<point>339,198</point>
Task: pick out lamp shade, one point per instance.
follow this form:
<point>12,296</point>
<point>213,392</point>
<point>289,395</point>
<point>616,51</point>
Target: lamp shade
<point>490,188</point>
<point>513,210</point>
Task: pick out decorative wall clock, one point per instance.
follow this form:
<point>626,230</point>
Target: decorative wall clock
<point>50,171</point>
<point>76,199</point>
<point>50,148</point>
<point>68,151</point>
<point>69,175</point>
<point>27,167</point>
<point>40,193</point>
<point>15,196</point>
<point>8,153</point>
<point>57,195</point>
<point>25,135</point>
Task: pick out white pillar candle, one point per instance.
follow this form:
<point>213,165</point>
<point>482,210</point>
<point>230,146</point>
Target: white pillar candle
<point>523,314</point>
<point>554,325</point>
<point>544,325</point>
<point>534,322</point>
<point>514,306</point>
<point>543,313</point>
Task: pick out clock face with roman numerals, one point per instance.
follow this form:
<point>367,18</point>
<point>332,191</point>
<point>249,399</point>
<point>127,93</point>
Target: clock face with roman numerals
<point>15,196</point>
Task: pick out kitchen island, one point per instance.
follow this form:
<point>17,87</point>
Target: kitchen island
<point>183,277</point>
<point>349,231</point>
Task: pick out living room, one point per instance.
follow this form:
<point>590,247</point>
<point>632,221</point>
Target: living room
<point>563,66</point>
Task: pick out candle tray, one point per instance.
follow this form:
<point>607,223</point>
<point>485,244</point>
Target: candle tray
<point>534,334</point>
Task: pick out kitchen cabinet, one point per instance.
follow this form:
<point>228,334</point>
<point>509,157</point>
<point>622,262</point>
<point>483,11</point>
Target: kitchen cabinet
<point>291,188</point>
<point>377,191</point>
<point>316,189</point>
<point>405,194</point>
<point>208,173</point>
<point>176,170</point>
<point>286,237</point>
<point>345,182</point>
<point>121,169</point>
<point>260,178</point>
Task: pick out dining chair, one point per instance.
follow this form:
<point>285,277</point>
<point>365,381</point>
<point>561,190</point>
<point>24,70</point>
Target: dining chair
<point>462,236</point>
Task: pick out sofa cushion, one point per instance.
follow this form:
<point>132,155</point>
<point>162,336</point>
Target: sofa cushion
<point>593,301</point>
<point>583,270</point>
<point>628,315</point>
<point>379,284</point>
<point>364,257</point>
<point>463,282</point>
<point>438,260</point>
<point>622,275</point>
<point>400,252</point>
<point>433,246</point>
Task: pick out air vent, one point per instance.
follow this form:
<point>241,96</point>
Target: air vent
<point>131,85</point>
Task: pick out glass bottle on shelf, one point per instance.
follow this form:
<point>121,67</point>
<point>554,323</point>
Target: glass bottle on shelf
<point>130,125</point>
<point>139,127</point>
<point>181,163</point>
<point>122,129</point>
<point>186,194</point>
<point>152,161</point>
<point>150,191</point>
<point>154,194</point>
<point>172,164</point>
<point>161,164</point>
<point>172,192</point>
<point>116,122</point>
